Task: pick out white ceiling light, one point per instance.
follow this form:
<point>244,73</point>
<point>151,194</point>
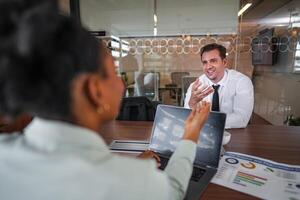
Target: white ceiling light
<point>125,47</point>
<point>155,19</point>
<point>115,38</point>
<point>125,42</point>
<point>244,8</point>
<point>294,18</point>
<point>155,31</point>
<point>115,44</point>
<point>115,53</point>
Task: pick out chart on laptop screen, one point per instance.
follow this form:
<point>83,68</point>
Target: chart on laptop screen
<point>169,128</point>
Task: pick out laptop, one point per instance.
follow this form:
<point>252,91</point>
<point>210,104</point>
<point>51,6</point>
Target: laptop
<point>167,131</point>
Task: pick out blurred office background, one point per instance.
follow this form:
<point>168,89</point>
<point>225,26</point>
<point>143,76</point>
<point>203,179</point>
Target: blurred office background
<point>156,46</point>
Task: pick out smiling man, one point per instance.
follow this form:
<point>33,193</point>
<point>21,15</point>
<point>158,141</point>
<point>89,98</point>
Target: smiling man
<point>229,91</point>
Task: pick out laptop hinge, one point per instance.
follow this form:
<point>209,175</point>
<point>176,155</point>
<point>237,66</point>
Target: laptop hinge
<point>207,166</point>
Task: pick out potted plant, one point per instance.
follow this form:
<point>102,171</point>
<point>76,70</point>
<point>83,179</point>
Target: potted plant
<point>292,121</point>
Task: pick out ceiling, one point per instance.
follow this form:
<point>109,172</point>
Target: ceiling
<point>262,8</point>
<point>268,13</point>
<point>127,18</point>
<point>131,18</point>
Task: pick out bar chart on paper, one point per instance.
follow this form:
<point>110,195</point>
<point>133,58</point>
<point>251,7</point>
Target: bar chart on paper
<point>258,177</point>
<point>245,179</point>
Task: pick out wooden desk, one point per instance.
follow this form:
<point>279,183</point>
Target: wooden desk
<point>277,143</point>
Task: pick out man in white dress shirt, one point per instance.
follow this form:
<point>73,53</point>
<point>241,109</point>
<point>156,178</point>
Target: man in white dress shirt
<point>234,90</point>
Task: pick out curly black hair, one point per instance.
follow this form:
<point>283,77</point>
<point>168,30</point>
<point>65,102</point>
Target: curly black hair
<point>41,52</point>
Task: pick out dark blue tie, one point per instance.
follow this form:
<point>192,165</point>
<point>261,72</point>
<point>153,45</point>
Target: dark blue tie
<point>215,101</point>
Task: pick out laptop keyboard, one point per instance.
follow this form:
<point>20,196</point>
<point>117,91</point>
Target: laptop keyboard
<point>163,162</point>
<point>197,172</point>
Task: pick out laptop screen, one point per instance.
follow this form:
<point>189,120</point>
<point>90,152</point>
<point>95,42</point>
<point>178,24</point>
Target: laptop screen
<point>168,129</point>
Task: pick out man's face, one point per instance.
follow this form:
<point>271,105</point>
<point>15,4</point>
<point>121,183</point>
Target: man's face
<point>213,65</point>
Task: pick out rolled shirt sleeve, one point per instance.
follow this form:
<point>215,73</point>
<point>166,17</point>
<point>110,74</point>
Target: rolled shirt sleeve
<point>171,183</point>
<point>180,167</point>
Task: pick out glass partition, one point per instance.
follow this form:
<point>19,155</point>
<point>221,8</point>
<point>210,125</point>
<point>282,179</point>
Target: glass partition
<point>154,67</point>
<point>156,46</point>
<point>157,43</point>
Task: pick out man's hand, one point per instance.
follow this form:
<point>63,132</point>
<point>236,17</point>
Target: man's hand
<point>199,91</point>
<point>150,155</point>
<point>196,120</point>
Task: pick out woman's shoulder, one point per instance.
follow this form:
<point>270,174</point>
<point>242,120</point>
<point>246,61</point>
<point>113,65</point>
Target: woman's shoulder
<point>8,137</point>
<point>9,140</point>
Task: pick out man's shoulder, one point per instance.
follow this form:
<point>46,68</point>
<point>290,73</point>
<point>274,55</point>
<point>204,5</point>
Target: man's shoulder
<point>202,76</point>
<point>236,75</point>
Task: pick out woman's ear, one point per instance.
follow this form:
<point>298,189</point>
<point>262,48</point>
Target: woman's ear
<point>92,90</point>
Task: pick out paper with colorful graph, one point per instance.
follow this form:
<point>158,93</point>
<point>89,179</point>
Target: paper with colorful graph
<point>258,177</point>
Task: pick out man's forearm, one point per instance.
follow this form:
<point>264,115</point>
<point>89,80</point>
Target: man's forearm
<point>237,120</point>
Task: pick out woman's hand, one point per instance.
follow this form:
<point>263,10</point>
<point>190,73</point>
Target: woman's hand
<point>150,155</point>
<point>196,120</point>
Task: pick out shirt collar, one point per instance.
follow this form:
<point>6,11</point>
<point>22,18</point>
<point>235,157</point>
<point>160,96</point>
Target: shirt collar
<point>51,135</point>
<point>222,82</point>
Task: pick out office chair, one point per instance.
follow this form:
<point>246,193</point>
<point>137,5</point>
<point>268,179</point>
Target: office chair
<point>151,85</point>
<point>186,81</point>
<point>177,76</point>
<point>137,109</point>
<point>176,82</point>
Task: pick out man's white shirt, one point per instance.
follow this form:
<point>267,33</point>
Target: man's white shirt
<point>235,95</point>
